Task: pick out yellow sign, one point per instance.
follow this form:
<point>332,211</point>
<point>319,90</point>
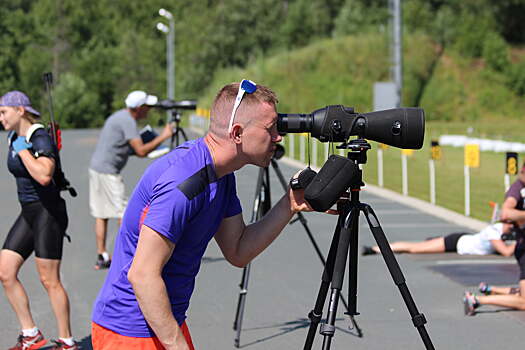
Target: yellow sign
<point>512,163</point>
<point>383,146</point>
<point>407,152</point>
<point>435,152</point>
<point>472,155</point>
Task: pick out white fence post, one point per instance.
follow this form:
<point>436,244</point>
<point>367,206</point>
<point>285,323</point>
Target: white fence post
<point>432,169</point>
<point>380,167</point>
<point>507,182</point>
<point>314,152</point>
<point>292,145</point>
<point>467,190</point>
<point>404,174</point>
<point>302,148</point>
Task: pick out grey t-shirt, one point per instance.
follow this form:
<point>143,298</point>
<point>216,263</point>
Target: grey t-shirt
<point>113,149</point>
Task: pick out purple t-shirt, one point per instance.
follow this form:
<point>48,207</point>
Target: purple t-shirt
<point>180,197</point>
<point>517,191</point>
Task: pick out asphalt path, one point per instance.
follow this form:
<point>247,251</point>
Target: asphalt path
<point>284,279</point>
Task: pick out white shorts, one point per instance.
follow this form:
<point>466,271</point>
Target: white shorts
<point>106,195</point>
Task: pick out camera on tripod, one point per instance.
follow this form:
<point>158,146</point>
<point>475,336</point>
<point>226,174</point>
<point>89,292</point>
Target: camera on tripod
<point>170,104</point>
<point>174,109</point>
<point>399,127</point>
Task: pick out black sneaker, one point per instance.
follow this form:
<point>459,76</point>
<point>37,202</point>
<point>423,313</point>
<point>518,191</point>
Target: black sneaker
<point>484,288</point>
<point>101,263</point>
<point>367,250</point>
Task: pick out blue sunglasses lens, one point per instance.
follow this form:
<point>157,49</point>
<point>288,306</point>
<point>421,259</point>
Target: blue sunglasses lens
<point>248,86</point>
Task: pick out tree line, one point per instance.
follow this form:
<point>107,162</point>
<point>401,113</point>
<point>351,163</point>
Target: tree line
<point>99,50</point>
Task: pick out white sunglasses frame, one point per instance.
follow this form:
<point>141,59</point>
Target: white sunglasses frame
<point>238,99</point>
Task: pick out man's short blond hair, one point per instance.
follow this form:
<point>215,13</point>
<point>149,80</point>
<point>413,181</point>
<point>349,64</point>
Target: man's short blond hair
<point>223,105</point>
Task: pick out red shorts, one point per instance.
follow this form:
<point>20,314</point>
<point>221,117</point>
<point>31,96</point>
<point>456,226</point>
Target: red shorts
<point>104,339</point>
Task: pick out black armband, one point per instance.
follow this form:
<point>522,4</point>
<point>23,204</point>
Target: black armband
<point>43,153</point>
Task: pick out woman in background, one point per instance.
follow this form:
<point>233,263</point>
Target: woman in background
<point>41,225</point>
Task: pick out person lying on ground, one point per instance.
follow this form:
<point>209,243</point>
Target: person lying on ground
<point>487,241</point>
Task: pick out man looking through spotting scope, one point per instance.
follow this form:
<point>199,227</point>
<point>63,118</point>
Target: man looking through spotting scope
<point>118,137</point>
<point>182,201</point>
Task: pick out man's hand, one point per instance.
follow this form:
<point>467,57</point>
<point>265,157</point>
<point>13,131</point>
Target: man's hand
<point>167,131</point>
<point>298,203</point>
<point>179,344</point>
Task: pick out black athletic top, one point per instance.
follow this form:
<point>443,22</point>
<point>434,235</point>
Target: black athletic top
<point>29,190</point>
<point>517,191</point>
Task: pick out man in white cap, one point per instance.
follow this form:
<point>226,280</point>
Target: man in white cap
<point>119,138</point>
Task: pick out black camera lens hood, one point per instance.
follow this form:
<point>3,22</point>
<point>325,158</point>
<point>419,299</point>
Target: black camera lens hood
<point>334,178</point>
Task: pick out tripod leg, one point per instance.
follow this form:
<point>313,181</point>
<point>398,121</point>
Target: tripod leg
<point>184,136</point>
<point>260,205</point>
<point>172,140</point>
<point>328,328</point>
<point>418,319</point>
<point>237,325</point>
<point>352,272</point>
<point>316,314</point>
<point>243,290</point>
<point>303,222</point>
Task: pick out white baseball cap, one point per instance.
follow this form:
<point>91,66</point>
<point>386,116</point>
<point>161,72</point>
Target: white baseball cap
<point>138,98</point>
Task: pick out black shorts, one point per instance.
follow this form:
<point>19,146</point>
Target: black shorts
<point>519,254</point>
<point>451,241</point>
<point>39,228</point>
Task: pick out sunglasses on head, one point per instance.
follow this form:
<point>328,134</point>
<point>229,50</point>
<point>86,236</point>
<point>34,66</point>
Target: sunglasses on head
<point>246,86</point>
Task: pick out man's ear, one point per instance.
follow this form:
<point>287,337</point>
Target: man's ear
<point>236,133</point>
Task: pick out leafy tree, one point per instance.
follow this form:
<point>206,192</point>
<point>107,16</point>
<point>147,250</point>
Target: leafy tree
<point>75,104</point>
<point>359,16</point>
<point>495,52</point>
<point>516,77</point>
<point>306,20</point>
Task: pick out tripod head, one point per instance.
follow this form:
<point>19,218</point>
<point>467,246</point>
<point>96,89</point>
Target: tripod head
<point>357,150</point>
<point>175,116</point>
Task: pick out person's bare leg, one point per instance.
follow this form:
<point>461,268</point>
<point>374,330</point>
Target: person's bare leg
<point>503,290</point>
<point>514,301</point>
<point>10,263</point>
<point>435,245</point>
<point>49,271</point>
<point>101,229</point>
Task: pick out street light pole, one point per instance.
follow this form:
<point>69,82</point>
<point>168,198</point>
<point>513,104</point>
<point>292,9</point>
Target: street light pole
<point>170,50</point>
<point>397,48</point>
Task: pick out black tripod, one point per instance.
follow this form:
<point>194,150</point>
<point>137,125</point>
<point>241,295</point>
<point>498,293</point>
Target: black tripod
<point>344,243</point>
<point>261,205</point>
<point>177,129</point>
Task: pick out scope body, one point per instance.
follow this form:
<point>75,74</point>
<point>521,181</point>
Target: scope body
<point>398,127</point>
